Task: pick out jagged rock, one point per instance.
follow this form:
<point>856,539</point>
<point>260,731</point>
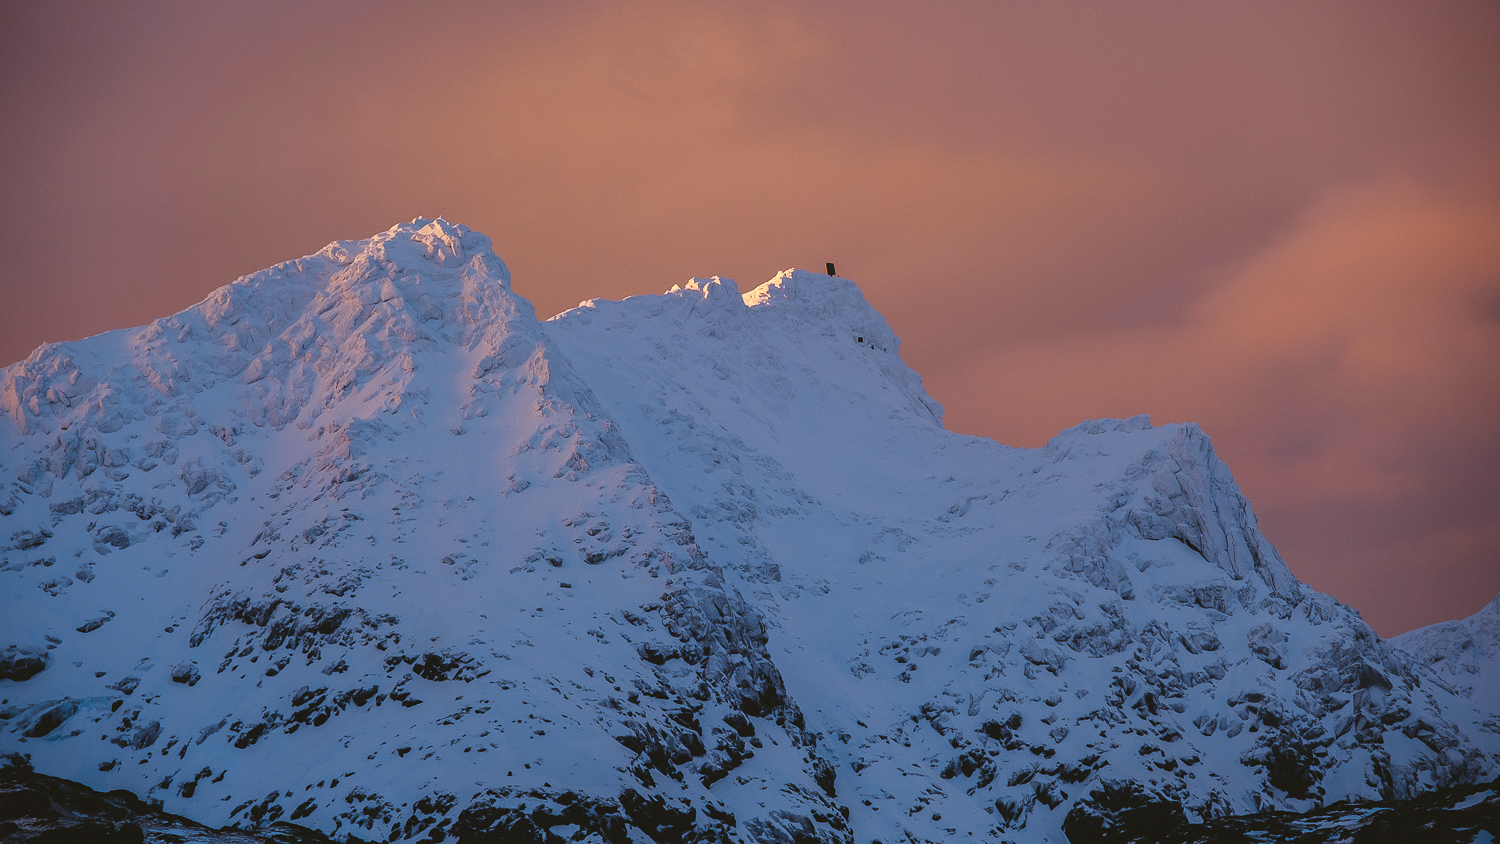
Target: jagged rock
<point>35,807</point>
<point>1121,810</point>
<point>1455,814</point>
<point>53,715</point>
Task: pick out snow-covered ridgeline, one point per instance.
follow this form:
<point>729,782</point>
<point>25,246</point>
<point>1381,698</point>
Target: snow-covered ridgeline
<point>357,541</point>
<point>408,493</point>
<point>1466,655</point>
<point>1109,595</point>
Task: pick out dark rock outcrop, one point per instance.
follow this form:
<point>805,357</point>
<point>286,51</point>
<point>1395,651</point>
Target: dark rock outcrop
<point>49,810</point>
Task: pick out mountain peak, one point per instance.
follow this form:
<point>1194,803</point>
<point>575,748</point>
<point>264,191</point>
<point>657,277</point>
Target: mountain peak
<point>1465,652</point>
<point>358,542</point>
<point>825,303</point>
<point>301,334</point>
<point>422,245</point>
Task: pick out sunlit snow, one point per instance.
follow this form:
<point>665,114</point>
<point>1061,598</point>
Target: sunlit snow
<point>359,542</point>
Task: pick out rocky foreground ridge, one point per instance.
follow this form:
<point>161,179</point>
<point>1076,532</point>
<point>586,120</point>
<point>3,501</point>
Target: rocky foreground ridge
<point>358,543</point>
<point>48,810</point>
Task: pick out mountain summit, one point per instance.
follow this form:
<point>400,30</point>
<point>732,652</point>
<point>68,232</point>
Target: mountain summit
<point>359,543</point>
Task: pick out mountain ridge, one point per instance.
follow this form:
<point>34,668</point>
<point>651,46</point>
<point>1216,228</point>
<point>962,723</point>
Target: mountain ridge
<point>447,527</point>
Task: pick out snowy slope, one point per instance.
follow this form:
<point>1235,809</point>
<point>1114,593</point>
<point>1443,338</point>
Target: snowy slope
<point>984,635</point>
<point>349,543</point>
<point>1466,655</point>
<point>358,542</point>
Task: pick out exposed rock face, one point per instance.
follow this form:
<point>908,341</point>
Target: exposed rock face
<point>360,544</point>
<point>21,662</point>
<point>1122,810</point>
<point>1458,814</point>
<point>48,810</point>
<point>35,807</point>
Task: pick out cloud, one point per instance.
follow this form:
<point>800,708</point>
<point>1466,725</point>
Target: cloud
<point>1351,366</point>
<point>1274,218</point>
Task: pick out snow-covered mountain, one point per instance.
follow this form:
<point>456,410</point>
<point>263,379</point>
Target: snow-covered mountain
<point>359,542</point>
<point>1465,654</point>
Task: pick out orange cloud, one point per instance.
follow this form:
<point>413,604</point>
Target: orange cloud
<point>1066,211</point>
<point>1355,359</point>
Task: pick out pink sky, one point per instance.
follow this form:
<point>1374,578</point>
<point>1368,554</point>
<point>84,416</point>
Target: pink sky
<point>1279,220</point>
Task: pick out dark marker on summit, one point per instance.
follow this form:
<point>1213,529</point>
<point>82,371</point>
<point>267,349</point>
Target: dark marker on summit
<point>830,268</point>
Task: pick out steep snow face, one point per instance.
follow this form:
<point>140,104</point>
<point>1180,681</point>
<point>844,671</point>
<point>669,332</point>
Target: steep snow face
<point>351,544</point>
<point>1466,655</point>
<point>358,542</point>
